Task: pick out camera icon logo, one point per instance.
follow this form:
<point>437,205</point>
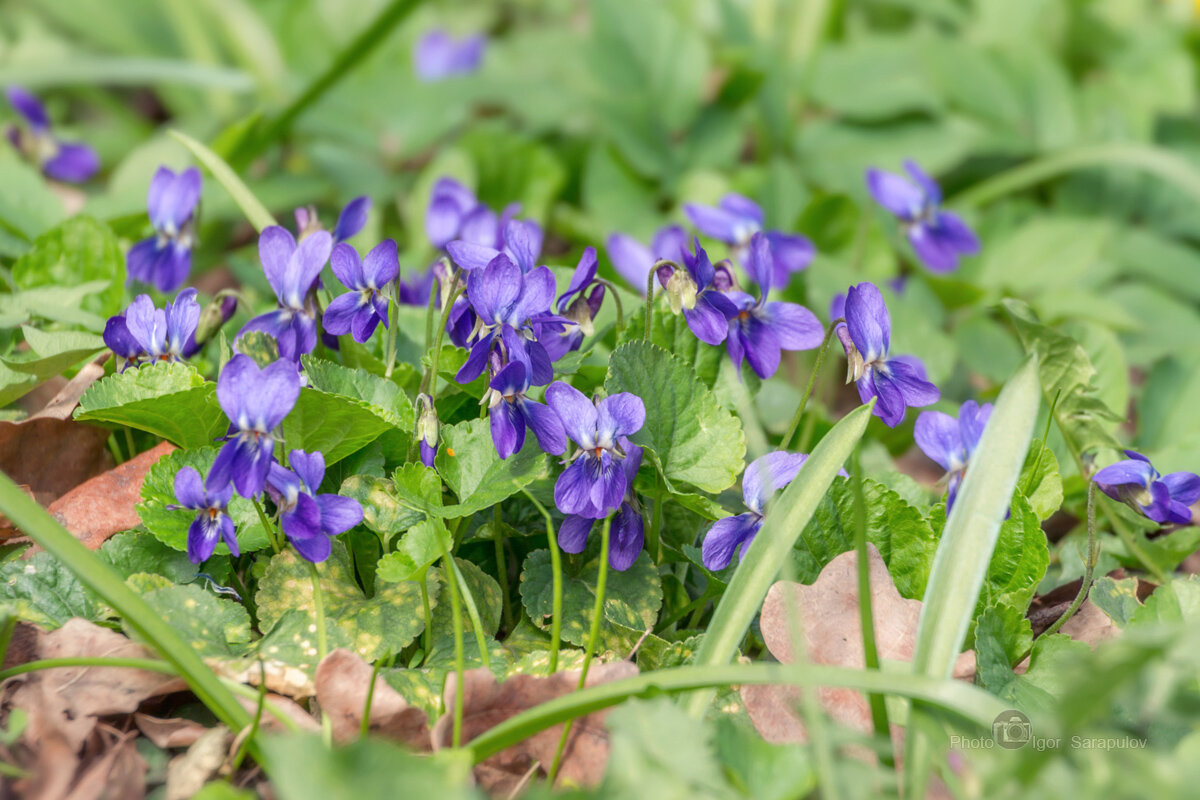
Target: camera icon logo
<point>1011,730</point>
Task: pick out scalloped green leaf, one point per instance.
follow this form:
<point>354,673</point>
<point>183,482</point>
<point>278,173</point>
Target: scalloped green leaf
<point>333,424</point>
<point>467,461</point>
<point>170,400</point>
<point>80,249</point>
<point>212,626</point>
<point>385,398</point>
<point>43,591</point>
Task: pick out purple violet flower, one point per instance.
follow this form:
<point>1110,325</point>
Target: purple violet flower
<point>310,520</point>
<point>595,483</point>
<point>143,332</point>
<point>439,55</point>
<point>694,291</point>
<point>512,411</point>
<point>579,305</point>
<point>455,213</point>
<point>165,259</point>
<point>362,308</point>
<point>521,241</point>
<point>507,304</point>
<point>350,221</point>
<point>938,237</point>
<point>418,290</point>
<point>256,402</point>
<point>761,330</point>
<point>951,442</point>
<point>63,161</point>
<point>736,219</point>
<point>762,478</point>
<point>899,382</point>
<point>291,270</point>
<point>212,523</point>
<point>427,429</point>
<point>1162,498</point>
<point>633,260</point>
<point>627,533</point>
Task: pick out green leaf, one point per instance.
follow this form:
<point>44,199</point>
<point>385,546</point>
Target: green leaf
<point>45,592</point>
<point>55,303</point>
<point>213,627</point>
<point>671,333</point>
<point>468,463</point>
<point>698,442</point>
<point>77,251</point>
<point>28,205</point>
<point>170,526</point>
<point>1002,635</point>
<point>260,346</point>
<point>786,519</point>
<point>484,590</point>
<point>1053,668</point>
<point>167,399</point>
<point>384,397</point>
<point>250,205</point>
<point>1175,602</point>
<point>136,552</point>
<point>964,553</point>
<point>760,769</point>
<point>417,549</point>
<point>904,537</point>
<point>55,352</point>
<point>333,424</point>
<point>391,506</point>
<point>1116,598</point>
<point>635,594</point>
<point>387,622</point>
<point>1040,482</point>
<point>657,750</point>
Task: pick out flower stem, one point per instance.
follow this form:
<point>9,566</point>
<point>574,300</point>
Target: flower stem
<point>459,655</point>
<point>593,639</point>
<point>879,716</point>
<point>556,570</point>
<point>786,442</point>
<point>617,301</point>
<point>649,303</point>
<point>365,728</point>
<point>427,636</point>
<point>394,317</point>
<point>501,567</point>
<point>429,381</point>
<point>322,643</point>
<point>267,526</point>
<point>654,538</point>
<point>1093,554</point>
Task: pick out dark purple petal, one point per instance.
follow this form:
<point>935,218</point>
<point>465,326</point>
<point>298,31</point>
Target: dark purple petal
<point>189,490</point>
<point>868,321</point>
<point>573,533</point>
<point>303,268</point>
<point>578,414</point>
<point>699,266</point>
<point>761,346</point>
<point>768,474</point>
<point>309,468</point>
<point>938,436</point>
<point>352,219</point>
<point>541,368</point>
<point>957,233</point>
<point>1184,486</point>
<point>626,537</point>
<point>1131,473</point>
<point>495,289</point>
<point>275,247</point>
<point>725,537</point>
<point>341,312</point>
<point>221,472</point>
<point>28,106</point>
<point>709,319</point>
<point>908,374</point>
<point>537,293</point>
<point>229,534</point>
<point>572,491</point>
<point>174,202</point>
<point>250,465</point>
<point>428,453</point>
<point>202,538</point>
<point>760,264</point>
<point>837,307</point>
<point>73,163</point>
<point>118,339</point>
<point>142,321</point>
<point>631,259</point>
<point>716,223</point>
<point>743,207</point>
<point>794,326</point>
<point>620,414</point>
<point>476,361</point>
<point>443,220</point>
<point>461,322</point>
<point>143,259</point>
<point>508,428</point>
<point>347,267</point>
<point>523,241</point>
<point>173,267</point>
<point>338,514</point>
<point>791,254</point>
<point>481,226</point>
<point>972,419</point>
<point>896,193</point>
<point>315,550</point>
<point>929,187</point>
<point>1159,508</point>
<point>546,426</point>
<point>581,278</point>
<point>608,483</point>
<point>472,256</point>
<point>382,264</point>
<point>364,323</point>
<point>512,379</point>
<point>935,250</point>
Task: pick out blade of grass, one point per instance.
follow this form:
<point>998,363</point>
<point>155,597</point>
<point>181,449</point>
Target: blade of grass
<point>760,562</point>
<point>96,575</point>
<point>125,72</point>
<point>973,705</point>
<point>250,205</point>
<point>965,550</point>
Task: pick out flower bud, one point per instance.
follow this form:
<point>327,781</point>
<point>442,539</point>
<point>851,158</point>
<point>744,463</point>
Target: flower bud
<point>427,429</point>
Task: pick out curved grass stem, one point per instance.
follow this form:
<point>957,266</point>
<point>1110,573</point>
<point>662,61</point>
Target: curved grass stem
<point>556,570</point>
<point>786,442</point>
<point>322,643</point>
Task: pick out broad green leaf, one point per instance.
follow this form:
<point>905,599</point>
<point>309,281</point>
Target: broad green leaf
<point>635,593</point>
<point>698,442</point>
<point>387,622</point>
<point>1002,635</point>
<point>872,78</point>
<point>1040,482</point>
<point>385,398</point>
<point>77,251</point>
<point>762,770</point>
<point>657,750</point>
<point>391,506</point>
<point>260,346</point>
<point>786,519</point>
<point>212,626</point>
<point>55,352</point>
<point>1047,252</point>
<point>43,591</point>
<point>167,399</point>
<point>1176,602</point>
<point>468,463</point>
<point>251,206</point>
<point>417,549</point>
<point>1116,598</point>
<point>484,590</point>
<point>28,206</point>
<point>671,333</point>
<point>1053,665</point>
<point>170,526</point>
<point>136,552</point>
<point>333,424</point>
<point>904,537</point>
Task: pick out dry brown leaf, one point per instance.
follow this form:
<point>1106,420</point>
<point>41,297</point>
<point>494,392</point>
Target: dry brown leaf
<point>487,703</point>
<point>285,706</point>
<point>342,681</point>
<point>1090,625</point>
<point>170,732</point>
<point>52,456</point>
<point>188,772</point>
<point>68,700</point>
<point>62,405</point>
<point>107,504</point>
<point>828,613</point>
<point>119,773</point>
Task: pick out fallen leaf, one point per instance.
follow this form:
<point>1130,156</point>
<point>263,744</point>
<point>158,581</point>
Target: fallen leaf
<point>107,504</point>
<point>120,772</point>
<point>68,700</point>
<point>52,456</point>
<point>828,613</point>
<point>341,683</point>
<point>285,706</point>
<point>63,404</point>
<point>172,732</point>
<point>487,703</point>
<point>188,772</point>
